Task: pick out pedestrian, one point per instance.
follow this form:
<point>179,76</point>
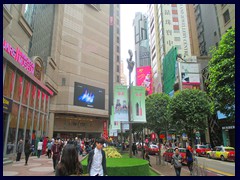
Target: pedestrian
<point>39,148</point>
<point>96,165</point>
<point>56,150</point>
<point>177,162</point>
<point>134,149</point>
<point>147,157</point>
<point>189,157</point>
<point>27,151</point>
<point>49,147</point>
<point>19,149</point>
<point>69,164</point>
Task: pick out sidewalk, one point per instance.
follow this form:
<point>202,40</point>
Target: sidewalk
<point>36,167</point>
<point>164,169</point>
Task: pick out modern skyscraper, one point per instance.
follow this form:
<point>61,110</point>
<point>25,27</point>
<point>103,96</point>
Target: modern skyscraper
<point>207,27</point>
<point>142,54</point>
<point>169,28</point>
<point>77,67</point>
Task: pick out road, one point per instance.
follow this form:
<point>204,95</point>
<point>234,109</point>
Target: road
<point>217,166</point>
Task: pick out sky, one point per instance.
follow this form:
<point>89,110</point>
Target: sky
<point>127,13</point>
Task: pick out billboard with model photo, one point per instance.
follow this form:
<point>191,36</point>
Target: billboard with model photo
<point>88,96</point>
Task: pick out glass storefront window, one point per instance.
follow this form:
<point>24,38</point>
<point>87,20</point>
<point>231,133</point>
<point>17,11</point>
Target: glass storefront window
<point>34,134</point>
<point>18,87</point>
<point>45,125</point>
<point>40,128</point>
<point>42,103</point>
<point>12,129</point>
<point>46,104</point>
<point>26,90</point>
<point>29,123</point>
<point>32,95</point>
<point>8,82</point>
<point>37,99</point>
<point>22,122</point>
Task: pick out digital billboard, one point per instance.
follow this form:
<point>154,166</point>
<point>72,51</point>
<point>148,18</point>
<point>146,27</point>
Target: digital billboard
<point>144,78</point>
<point>89,96</point>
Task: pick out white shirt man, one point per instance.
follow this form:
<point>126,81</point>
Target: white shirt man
<point>97,163</point>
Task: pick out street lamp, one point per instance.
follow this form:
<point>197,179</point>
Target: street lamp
<point>130,68</point>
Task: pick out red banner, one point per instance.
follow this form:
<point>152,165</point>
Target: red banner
<point>105,131</point>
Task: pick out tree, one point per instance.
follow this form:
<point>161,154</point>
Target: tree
<point>222,75</point>
<point>189,110</point>
<point>157,114</point>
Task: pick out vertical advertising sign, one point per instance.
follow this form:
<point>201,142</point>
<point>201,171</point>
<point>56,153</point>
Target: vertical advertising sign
<point>120,103</point>
<point>138,112</point>
<point>144,78</point>
<point>115,125</point>
<point>105,131</point>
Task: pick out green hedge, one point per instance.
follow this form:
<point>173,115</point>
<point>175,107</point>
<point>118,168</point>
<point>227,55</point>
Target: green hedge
<point>124,167</point>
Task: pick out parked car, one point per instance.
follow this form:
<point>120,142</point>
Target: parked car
<point>200,150</point>
<point>167,155</point>
<point>152,149</point>
<point>222,152</point>
<point>139,146</point>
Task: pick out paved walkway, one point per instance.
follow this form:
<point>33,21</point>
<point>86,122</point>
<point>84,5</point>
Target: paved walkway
<point>36,167</point>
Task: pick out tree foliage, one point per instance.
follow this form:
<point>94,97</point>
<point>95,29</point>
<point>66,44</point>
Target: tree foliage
<point>189,110</point>
<point>222,75</point>
<point>157,112</point>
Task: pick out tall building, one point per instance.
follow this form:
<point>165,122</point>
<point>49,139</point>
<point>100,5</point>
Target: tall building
<point>225,17</point>
<point>123,78</point>
<point>77,67</point>
<point>169,28</point>
<point>26,99</point>
<point>142,54</point>
<point>207,27</point>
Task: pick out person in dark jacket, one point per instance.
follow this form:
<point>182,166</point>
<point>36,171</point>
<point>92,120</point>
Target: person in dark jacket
<point>177,162</point>
<point>19,149</point>
<point>96,165</point>
<point>27,151</point>
<point>189,156</point>
<point>69,164</point>
<point>56,150</point>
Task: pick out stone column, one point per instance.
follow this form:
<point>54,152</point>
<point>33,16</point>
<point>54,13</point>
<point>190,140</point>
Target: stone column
<point>51,125</point>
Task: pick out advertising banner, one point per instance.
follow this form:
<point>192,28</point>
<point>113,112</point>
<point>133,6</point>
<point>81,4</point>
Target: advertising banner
<point>115,125</point>
<point>138,112</point>
<point>105,131</point>
<point>120,103</point>
<point>144,78</point>
<point>125,126</point>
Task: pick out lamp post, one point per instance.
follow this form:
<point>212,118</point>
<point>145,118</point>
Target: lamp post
<point>130,68</point>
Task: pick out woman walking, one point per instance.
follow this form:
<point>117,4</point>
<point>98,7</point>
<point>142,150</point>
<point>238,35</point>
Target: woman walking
<point>39,148</point>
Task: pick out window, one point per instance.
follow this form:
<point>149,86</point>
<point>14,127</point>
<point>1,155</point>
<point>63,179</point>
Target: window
<point>118,31</point>
<point>28,13</point>
<point>8,6</point>
<point>118,49</point>
<point>117,21</point>
<point>118,70</point>
<point>63,81</point>
<point>118,59</point>
<point>118,79</point>
<point>177,39</point>
<point>118,39</point>
<point>226,16</point>
<point>215,33</point>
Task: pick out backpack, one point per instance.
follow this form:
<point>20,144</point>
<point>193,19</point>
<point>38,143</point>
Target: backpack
<point>190,157</point>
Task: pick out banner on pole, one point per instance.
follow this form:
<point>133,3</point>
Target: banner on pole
<point>120,103</point>
<point>138,112</point>
<point>115,125</point>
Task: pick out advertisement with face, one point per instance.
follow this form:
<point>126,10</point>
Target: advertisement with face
<point>120,103</point>
<point>88,96</point>
<point>144,78</point>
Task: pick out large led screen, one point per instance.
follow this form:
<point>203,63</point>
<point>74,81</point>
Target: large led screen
<point>89,96</point>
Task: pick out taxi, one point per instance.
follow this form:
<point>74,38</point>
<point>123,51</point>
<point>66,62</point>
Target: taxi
<point>222,152</point>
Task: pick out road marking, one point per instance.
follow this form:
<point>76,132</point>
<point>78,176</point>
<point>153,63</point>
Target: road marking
<point>219,172</point>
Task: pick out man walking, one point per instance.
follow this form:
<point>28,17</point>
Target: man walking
<point>97,160</point>
<point>177,162</point>
<point>55,149</point>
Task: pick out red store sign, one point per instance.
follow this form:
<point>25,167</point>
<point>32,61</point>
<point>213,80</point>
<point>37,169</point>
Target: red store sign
<point>19,56</point>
